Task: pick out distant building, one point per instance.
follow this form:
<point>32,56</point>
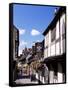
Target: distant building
<point>33,49</point>
<point>30,51</point>
<point>25,52</point>
<point>39,48</point>
<point>54,47</point>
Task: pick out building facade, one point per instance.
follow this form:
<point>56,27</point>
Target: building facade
<point>15,43</point>
<point>54,47</point>
<point>14,46</point>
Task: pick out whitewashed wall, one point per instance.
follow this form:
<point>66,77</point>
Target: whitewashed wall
<point>57,30</point>
<point>49,37</point>
<point>53,49</point>
<point>48,51</point>
<point>63,45</point>
<point>45,53</point>
<point>49,44</point>
<point>58,48</point>
<point>44,47</point>
<point>57,37</point>
<point>46,42</point>
<point>61,23</point>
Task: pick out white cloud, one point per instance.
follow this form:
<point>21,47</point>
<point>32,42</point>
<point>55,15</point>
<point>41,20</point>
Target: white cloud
<point>34,32</point>
<point>23,43</point>
<point>22,31</point>
<point>38,40</point>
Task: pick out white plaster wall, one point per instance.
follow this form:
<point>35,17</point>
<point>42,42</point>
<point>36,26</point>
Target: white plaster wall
<point>57,49</point>
<point>48,51</point>
<point>45,44</point>
<point>51,76</point>
<point>63,45</point>
<point>45,53</point>
<point>57,30</point>
<point>49,45</point>
<point>49,37</point>
<point>53,50</point>
<point>44,47</point>
<point>61,21</point>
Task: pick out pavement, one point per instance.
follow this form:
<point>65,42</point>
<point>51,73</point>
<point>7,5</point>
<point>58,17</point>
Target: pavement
<point>26,80</point>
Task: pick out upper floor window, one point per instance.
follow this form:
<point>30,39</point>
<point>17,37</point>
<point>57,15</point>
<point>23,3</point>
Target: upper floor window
<point>53,34</point>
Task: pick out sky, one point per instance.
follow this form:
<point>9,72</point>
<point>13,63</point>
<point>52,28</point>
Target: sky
<point>31,21</point>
